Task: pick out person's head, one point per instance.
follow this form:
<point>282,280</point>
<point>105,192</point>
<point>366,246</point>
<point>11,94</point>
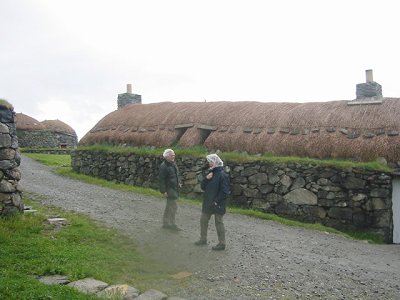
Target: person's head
<point>214,161</point>
<point>169,155</point>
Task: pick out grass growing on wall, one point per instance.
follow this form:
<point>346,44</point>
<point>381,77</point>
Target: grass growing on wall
<point>45,150</point>
<point>5,104</point>
<point>201,152</point>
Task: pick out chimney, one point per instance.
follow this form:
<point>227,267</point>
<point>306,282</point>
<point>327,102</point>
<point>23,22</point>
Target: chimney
<point>370,90</point>
<point>128,98</point>
<point>369,76</point>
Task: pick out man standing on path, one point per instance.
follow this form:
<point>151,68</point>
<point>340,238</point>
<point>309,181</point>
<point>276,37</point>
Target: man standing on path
<point>169,185</point>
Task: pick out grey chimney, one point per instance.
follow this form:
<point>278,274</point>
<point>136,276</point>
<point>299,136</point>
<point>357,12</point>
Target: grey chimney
<point>370,90</point>
<point>128,98</point>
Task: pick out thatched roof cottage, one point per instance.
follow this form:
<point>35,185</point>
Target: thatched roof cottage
<point>46,134</point>
<point>362,129</point>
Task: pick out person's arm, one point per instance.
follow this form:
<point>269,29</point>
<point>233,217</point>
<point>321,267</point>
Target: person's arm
<point>178,175</point>
<point>162,179</point>
<point>206,179</point>
<point>224,190</point>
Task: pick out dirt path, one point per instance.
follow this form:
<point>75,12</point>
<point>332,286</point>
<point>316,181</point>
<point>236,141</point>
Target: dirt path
<point>263,260</point>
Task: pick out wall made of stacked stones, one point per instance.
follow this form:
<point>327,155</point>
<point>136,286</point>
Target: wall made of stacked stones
<point>10,190</point>
<point>128,98</point>
<point>45,139</point>
<point>345,199</point>
<point>49,151</point>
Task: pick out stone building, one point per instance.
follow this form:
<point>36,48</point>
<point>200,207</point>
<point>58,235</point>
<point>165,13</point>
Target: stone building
<point>46,134</point>
<point>365,128</point>
<point>360,129</point>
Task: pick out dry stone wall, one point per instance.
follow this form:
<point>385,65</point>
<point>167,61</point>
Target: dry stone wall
<point>45,139</point>
<point>48,151</point>
<point>10,190</point>
<point>343,199</point>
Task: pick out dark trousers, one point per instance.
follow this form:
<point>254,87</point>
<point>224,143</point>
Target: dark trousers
<point>170,212</point>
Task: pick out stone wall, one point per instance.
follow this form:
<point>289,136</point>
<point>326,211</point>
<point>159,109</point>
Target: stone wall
<point>368,89</point>
<point>45,139</point>
<point>10,191</point>
<point>48,151</point>
<point>345,199</point>
<point>128,98</point>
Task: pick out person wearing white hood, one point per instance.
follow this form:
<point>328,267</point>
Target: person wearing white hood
<point>216,190</point>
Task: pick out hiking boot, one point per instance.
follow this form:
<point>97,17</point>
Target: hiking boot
<point>219,247</point>
<point>200,242</point>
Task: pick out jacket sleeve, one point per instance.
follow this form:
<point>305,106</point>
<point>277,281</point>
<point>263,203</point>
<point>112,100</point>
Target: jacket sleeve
<point>162,179</point>
<point>224,190</point>
<point>178,175</point>
<point>204,182</point>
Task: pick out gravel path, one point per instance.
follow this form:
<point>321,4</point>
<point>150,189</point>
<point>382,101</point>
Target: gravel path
<point>263,260</point>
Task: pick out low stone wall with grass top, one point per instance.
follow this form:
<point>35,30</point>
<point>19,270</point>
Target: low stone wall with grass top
<point>10,191</point>
<point>347,198</point>
<point>46,151</point>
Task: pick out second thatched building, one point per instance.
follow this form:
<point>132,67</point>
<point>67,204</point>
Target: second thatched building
<point>47,134</point>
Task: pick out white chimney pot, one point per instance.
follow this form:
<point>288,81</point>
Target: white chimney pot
<point>369,76</point>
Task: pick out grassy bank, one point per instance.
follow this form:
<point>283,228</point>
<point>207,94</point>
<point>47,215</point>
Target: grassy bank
<point>201,151</point>
<point>30,247</point>
<point>62,166</point>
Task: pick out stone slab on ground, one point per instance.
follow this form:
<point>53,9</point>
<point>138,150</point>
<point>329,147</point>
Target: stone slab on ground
<point>88,285</point>
<point>54,279</point>
<point>57,221</point>
<point>122,291</point>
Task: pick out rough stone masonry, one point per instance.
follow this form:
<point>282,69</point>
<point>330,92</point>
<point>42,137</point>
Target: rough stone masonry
<point>10,175</point>
<point>341,198</point>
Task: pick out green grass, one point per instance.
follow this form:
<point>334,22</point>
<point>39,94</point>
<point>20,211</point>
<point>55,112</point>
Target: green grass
<point>4,103</point>
<point>62,164</point>
<point>45,150</point>
<point>108,184</point>
<point>201,151</point>
<point>340,164</point>
<point>30,248</point>
<point>60,161</point>
<point>53,160</point>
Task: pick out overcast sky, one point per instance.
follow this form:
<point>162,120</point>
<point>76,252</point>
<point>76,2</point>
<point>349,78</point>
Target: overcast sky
<point>69,59</point>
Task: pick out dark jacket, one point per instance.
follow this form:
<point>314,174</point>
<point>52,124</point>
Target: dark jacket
<point>169,179</point>
<point>216,192</point>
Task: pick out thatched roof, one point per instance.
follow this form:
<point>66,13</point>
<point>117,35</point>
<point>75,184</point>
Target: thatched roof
<point>59,126</point>
<point>320,129</point>
<point>24,122</point>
